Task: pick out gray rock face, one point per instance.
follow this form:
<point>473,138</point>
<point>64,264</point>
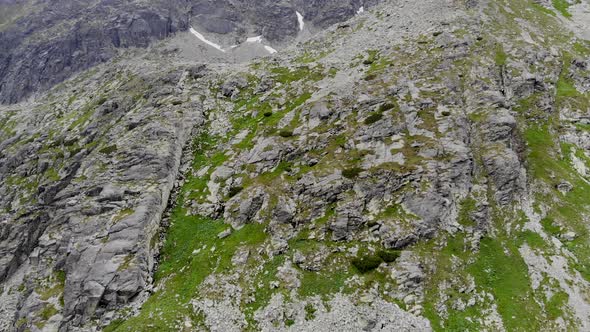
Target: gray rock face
<point>98,185</point>
<point>348,220</point>
<point>341,314</point>
<point>46,46</point>
<point>240,211</point>
<point>504,168</point>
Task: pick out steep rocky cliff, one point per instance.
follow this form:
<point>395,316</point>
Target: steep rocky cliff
<point>424,165</point>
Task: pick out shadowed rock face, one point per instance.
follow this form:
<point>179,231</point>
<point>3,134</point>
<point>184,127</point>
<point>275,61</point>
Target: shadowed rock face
<point>54,41</point>
<point>44,43</point>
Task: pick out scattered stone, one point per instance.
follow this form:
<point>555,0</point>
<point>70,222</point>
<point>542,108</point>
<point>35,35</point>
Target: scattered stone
<point>224,234</point>
<point>565,187</point>
<point>569,236</point>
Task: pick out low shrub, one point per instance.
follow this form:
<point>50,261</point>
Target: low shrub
<point>108,150</point>
<point>388,256</point>
<point>373,118</point>
<point>385,107</point>
<point>286,133</point>
<point>101,101</point>
<point>234,191</point>
<point>367,263</point>
<point>351,173</point>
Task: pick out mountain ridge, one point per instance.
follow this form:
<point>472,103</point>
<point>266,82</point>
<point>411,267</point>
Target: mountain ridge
<point>426,162</point>
<point>72,36</point>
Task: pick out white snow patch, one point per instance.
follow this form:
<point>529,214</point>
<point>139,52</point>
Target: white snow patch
<point>270,49</point>
<point>361,10</point>
<point>300,20</point>
<point>204,40</point>
<point>257,39</point>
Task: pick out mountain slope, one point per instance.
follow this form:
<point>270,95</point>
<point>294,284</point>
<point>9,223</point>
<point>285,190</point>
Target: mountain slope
<point>421,166</point>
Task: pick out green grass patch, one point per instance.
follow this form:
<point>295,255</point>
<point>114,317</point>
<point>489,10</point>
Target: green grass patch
<point>310,311</point>
<point>123,214</point>
<point>543,9</point>
<point>262,283</point>
<point>372,56</point>
<point>467,207</point>
<point>566,88</point>
<point>52,175</point>
<point>191,252</point>
<point>83,116</point>
<point>288,75</point>
<point>562,6</point>
<point>500,56</point>
<point>57,289</point>
<point>500,269</point>
<point>550,163</point>
<point>187,259</point>
<point>309,57</point>
<point>533,239</point>
<point>322,283</point>
<point>48,312</point>
<point>582,47</point>
<point>497,268</point>
<point>555,305</point>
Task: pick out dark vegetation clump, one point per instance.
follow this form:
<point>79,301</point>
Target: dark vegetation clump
<point>234,191</point>
<point>373,118</point>
<point>388,256</point>
<point>108,150</point>
<point>351,173</point>
<point>286,133</point>
<point>367,263</point>
<point>385,107</point>
<point>101,101</point>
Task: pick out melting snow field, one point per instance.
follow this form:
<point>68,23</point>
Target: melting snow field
<point>258,39</point>
<point>270,49</point>
<point>204,40</point>
<point>300,20</point>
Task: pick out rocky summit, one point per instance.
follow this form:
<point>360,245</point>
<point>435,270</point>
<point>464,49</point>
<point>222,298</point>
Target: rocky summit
<point>296,165</point>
